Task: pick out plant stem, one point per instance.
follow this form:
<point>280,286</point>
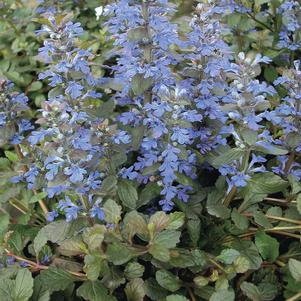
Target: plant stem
<point>217,265</point>
<point>230,196</point>
<point>190,292</point>
<point>289,162</point>
<point>278,218</point>
<point>259,22</point>
<point>86,205</point>
<point>280,263</point>
<point>286,228</point>
<point>40,266</point>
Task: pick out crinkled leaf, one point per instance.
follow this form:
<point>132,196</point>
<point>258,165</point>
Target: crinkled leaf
<point>94,236</point>
<point>240,221</point>
<point>295,268</point>
<point>176,298</point>
<point>134,290</point>
<point>56,232</point>
<point>251,291</point>
<point>94,291</point>
<point>222,295</point>
<point>112,212</point>
<point>56,279</point>
<point>267,246</point>
<point>127,194</point>
<point>168,280</point>
<point>134,270</point>
<point>228,255</point>
<point>119,253</point>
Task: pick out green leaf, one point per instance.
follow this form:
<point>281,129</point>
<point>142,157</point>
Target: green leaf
<point>7,289</point>
<point>215,205</point>
<point>40,293</point>
<point>151,191</point>
<point>4,222</point>
<point>141,84</point>
<point>160,252</point>
<point>158,221</point>
<point>184,258</point>
<point>19,289</point>
<point>135,290</point>
<point>94,291</point>
<point>154,291</point>
<point>137,34</point>
<point>194,230</point>
<point>262,220</point>
<point>108,185</point>
<point>250,251</point>
<point>267,246</point>
<point>295,268</point>
<point>240,221</point>
<point>119,253</point>
<point>168,280</point>
<point>176,298</point>
<point>222,295</point>
<point>267,183</point>
<point>72,247</point>
<point>176,220</point>
<point>249,136</point>
<point>251,291</point>
<point>23,287</point>
<point>56,232</point>
<point>134,270</point>
<point>127,194</point>
<point>228,256</point>
<point>112,212</point>
<point>228,157</point>
<point>56,279</point>
<point>200,281</point>
<point>37,197</point>
<point>35,86</point>
<point>241,264</point>
<point>94,236</point>
<point>270,149</point>
<point>11,156</point>
<point>93,266</point>
<point>134,223</point>
<point>167,238</point>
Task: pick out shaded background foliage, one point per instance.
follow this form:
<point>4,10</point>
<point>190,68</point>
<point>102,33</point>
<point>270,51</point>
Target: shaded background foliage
<point>202,249</point>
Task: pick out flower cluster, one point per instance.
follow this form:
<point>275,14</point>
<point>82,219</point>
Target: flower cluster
<point>183,97</point>
<point>289,35</point>
<point>172,112</point>
<point>71,141</point>
<point>13,121</point>
<point>145,34</point>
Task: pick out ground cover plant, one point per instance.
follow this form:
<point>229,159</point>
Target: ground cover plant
<point>150,150</point>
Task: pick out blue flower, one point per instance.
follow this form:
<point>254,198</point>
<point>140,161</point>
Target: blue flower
<point>70,209</point>
<point>122,137</point>
<point>30,176</point>
<point>74,89</point>
<point>37,136</point>
<point>52,164</point>
<point>52,215</point>
<point>181,135</point>
<point>240,180</point>
<point>75,172</point>
<point>95,211</point>
<point>56,190</point>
